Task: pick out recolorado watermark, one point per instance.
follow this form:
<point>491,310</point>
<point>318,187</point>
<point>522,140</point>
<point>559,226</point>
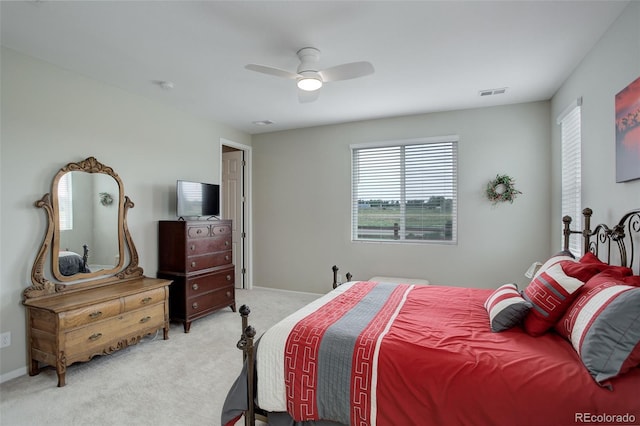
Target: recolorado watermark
<point>625,418</point>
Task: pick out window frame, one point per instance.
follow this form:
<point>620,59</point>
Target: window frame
<point>570,122</point>
<point>453,161</point>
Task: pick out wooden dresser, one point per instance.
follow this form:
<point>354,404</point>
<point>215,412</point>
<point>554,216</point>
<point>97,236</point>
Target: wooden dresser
<point>197,257</point>
<point>77,325</point>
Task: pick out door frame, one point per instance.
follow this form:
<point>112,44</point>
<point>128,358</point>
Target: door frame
<point>247,226</point>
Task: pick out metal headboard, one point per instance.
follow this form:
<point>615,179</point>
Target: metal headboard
<point>624,236</point>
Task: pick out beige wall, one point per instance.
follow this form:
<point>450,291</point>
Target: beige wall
<point>51,117</point>
<point>302,201</point>
<point>610,66</point>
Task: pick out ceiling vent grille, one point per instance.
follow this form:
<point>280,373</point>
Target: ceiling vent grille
<point>490,92</point>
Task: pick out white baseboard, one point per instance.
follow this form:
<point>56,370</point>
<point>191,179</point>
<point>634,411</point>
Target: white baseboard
<point>13,374</point>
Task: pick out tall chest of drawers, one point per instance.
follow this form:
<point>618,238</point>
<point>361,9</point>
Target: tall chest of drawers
<point>197,257</point>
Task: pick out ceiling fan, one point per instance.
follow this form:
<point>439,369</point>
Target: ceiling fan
<point>309,78</point>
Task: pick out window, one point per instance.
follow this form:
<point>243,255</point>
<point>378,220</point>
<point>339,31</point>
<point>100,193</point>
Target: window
<point>571,141</point>
<point>405,191</point>
<point>65,202</point>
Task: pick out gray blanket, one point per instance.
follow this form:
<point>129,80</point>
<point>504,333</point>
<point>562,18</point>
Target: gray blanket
<point>71,264</point>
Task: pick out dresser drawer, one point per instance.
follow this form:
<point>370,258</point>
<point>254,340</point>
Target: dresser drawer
<point>217,230</point>
<point>140,300</point>
<point>208,245</point>
<point>206,261</point>
<point>205,283</point>
<point>90,314</point>
<point>94,337</point>
<point>213,300</point>
<point>195,231</point>
<point>198,231</point>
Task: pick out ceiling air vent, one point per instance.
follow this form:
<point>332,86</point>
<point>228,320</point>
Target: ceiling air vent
<point>263,123</point>
<point>490,92</point>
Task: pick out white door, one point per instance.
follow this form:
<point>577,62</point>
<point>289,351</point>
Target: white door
<point>232,202</point>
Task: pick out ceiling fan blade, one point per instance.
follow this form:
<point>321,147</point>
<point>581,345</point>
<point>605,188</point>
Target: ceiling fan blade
<point>347,71</point>
<point>306,97</point>
<point>272,71</point>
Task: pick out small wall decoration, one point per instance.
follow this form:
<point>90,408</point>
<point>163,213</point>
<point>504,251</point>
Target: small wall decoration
<point>106,199</point>
<point>502,189</point>
<point>628,132</point>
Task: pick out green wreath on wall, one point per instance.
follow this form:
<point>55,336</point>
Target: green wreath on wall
<point>105,199</point>
<point>502,189</point>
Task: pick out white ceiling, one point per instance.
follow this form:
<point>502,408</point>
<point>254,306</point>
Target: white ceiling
<point>428,55</point>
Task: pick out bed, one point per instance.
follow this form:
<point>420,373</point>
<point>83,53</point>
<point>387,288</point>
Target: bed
<point>71,263</point>
<point>564,350</point>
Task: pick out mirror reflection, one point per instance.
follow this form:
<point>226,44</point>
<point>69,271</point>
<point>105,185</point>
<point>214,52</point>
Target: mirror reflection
<point>88,228</point>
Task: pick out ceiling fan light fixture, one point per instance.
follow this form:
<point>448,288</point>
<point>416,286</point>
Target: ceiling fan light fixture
<point>309,78</point>
<point>309,84</point>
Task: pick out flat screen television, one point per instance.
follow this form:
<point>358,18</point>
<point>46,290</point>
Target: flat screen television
<point>197,199</point>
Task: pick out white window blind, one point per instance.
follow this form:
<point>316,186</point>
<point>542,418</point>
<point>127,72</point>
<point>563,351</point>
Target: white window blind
<point>405,191</point>
<point>65,202</point>
<point>570,125</point>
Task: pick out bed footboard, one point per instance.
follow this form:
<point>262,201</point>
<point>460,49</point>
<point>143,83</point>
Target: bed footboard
<point>246,345</point>
<point>335,270</point>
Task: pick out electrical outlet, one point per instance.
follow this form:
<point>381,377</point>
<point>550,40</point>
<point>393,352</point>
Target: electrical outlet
<point>5,339</point>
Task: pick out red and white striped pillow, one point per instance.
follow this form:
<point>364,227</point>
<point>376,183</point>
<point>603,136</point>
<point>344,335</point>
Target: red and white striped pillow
<point>603,325</point>
<point>552,290</point>
<point>506,307</point>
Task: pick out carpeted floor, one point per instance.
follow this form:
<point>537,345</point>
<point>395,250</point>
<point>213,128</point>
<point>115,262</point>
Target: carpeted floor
<point>180,381</point>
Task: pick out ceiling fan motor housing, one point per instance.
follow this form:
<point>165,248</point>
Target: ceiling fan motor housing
<point>309,57</point>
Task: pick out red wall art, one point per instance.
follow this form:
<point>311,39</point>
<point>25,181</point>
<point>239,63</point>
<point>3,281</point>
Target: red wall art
<point>628,132</point>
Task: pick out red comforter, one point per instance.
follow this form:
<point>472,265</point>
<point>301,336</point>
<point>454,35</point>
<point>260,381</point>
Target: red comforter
<point>440,364</point>
<point>370,353</point>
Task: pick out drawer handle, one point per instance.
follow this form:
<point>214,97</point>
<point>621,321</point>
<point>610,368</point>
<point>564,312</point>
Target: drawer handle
<point>94,315</point>
<point>226,242</point>
<point>192,247</point>
<point>226,257</point>
<point>193,264</point>
<point>146,300</point>
<point>195,305</point>
<point>195,286</point>
<point>199,231</point>
<point>95,336</point>
<point>228,277</point>
<point>145,319</point>
<point>228,294</point>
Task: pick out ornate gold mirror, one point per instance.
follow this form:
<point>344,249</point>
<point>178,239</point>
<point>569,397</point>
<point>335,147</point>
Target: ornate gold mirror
<point>87,234</point>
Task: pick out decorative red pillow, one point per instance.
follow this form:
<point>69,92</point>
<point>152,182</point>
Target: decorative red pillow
<point>589,257</point>
<point>606,277</point>
<point>617,274</point>
<point>603,325</point>
<point>592,259</point>
<point>633,280</point>
<point>560,257</point>
<point>552,291</point>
